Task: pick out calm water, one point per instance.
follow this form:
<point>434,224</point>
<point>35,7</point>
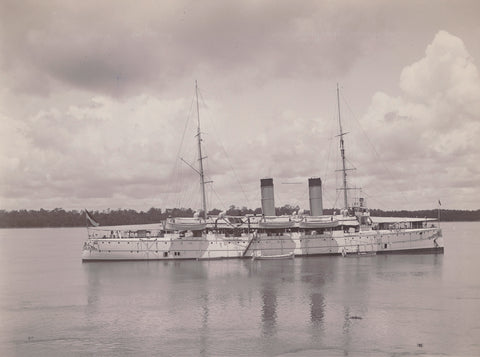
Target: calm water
<point>398,305</point>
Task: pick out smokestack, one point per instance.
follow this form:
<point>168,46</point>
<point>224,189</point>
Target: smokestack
<point>315,196</point>
<point>268,201</point>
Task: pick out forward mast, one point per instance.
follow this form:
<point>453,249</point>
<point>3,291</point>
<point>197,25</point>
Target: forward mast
<point>200,160</point>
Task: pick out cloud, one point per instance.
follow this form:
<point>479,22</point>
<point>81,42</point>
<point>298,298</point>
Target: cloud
<point>96,150</point>
<point>108,152</point>
<point>427,136</point>
<point>118,49</point>
<point>95,98</point>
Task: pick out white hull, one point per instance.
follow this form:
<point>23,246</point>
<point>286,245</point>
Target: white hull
<point>217,246</point>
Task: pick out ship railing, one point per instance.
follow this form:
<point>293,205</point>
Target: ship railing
<point>108,233</point>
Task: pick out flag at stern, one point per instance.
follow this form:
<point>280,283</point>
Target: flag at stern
<point>90,219</point>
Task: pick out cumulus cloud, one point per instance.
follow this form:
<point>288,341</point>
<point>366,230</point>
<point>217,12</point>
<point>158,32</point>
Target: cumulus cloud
<point>428,135</point>
<point>92,151</point>
<point>107,152</point>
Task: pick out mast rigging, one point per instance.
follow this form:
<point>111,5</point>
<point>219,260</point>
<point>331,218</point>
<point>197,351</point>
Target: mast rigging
<point>342,152</point>
<point>201,172</point>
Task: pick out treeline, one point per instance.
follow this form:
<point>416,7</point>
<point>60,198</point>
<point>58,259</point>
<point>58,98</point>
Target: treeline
<point>447,215</point>
<point>58,217</point>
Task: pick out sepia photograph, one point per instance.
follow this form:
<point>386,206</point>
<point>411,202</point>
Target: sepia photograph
<point>239,178</point>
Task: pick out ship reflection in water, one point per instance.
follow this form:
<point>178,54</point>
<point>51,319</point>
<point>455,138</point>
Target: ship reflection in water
<point>425,304</point>
<point>244,307</point>
<point>269,307</point>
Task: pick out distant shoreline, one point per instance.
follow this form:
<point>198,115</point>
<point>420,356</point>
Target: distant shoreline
<point>59,218</point>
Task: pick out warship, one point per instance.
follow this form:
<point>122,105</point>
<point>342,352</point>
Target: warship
<point>350,232</point>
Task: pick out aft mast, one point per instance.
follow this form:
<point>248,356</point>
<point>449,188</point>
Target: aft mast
<point>342,152</point>
<point>202,175</point>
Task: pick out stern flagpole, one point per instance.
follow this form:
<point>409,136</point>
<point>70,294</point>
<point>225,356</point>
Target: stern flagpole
<point>438,211</point>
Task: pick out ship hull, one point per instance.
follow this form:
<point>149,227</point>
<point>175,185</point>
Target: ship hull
<point>217,246</point>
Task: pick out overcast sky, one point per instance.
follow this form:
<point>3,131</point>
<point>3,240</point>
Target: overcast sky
<point>96,102</point>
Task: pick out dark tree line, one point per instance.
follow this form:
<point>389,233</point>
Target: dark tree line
<point>58,217</point>
<point>448,215</point>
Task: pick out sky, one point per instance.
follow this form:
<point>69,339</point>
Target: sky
<point>98,110</point>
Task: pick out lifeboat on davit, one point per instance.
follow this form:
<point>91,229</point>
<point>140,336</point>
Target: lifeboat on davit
<point>185,224</point>
<point>318,222</point>
<point>274,222</point>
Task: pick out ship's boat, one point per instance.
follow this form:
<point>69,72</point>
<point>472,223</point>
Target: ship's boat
<point>276,223</point>
<point>318,222</point>
<point>259,256</point>
<point>185,224</point>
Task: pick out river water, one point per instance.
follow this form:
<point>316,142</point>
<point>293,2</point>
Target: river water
<point>52,304</point>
